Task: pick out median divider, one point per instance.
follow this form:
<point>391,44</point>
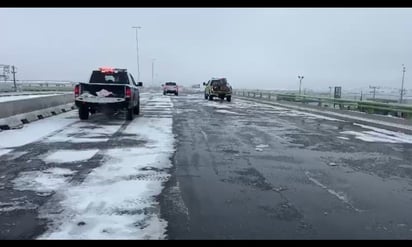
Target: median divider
<point>13,114</point>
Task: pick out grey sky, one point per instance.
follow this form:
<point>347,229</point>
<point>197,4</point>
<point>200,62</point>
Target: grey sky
<point>253,48</point>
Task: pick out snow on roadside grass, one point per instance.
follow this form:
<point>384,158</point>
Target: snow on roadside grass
<point>37,130</point>
<point>67,156</point>
<point>117,200</point>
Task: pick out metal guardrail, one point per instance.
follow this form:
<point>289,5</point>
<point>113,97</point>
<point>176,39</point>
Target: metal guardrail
<point>399,110</point>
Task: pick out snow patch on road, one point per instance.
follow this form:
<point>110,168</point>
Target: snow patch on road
<point>43,182</point>
<point>343,138</point>
<point>5,151</point>
<point>86,132</point>
<point>67,156</point>
<point>227,112</point>
<point>118,199</point>
<point>379,135</point>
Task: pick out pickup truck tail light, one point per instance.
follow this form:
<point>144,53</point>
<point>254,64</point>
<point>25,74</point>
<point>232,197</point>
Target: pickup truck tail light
<point>128,92</point>
<point>77,91</point>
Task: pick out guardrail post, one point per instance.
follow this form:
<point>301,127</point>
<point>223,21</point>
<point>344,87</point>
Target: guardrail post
<point>254,94</point>
<point>248,94</point>
<point>261,95</point>
<point>269,96</point>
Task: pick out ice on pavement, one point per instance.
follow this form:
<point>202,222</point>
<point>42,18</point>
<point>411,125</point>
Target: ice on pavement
<point>5,151</point>
<point>37,130</point>
<point>117,199</point>
<point>45,181</point>
<point>379,135</point>
<point>66,156</point>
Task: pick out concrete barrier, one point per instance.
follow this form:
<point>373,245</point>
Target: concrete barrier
<point>17,121</point>
<point>11,108</point>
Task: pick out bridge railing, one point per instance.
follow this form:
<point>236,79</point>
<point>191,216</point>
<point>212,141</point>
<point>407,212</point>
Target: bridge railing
<point>372,107</point>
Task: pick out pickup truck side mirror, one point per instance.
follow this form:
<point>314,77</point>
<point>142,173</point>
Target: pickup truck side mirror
<point>140,84</point>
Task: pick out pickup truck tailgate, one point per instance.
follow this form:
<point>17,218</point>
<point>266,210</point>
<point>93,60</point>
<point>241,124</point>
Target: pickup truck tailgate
<point>104,90</point>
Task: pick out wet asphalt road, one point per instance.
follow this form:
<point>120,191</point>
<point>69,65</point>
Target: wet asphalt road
<point>244,170</point>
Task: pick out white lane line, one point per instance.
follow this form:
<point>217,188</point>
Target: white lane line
<point>204,135</point>
<point>340,195</point>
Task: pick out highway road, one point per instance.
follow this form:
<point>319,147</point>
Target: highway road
<point>190,168</point>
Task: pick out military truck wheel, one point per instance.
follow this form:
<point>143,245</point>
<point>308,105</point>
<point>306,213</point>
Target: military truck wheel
<point>229,98</point>
<point>210,97</point>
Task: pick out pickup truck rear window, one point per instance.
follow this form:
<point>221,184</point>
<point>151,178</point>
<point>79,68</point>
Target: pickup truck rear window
<point>117,78</point>
<point>221,82</point>
<point>170,83</point>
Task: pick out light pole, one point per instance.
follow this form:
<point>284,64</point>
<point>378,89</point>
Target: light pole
<point>137,50</point>
<point>330,92</point>
<point>153,70</point>
<point>13,70</point>
<point>403,78</point>
<point>374,90</point>
<point>300,83</point>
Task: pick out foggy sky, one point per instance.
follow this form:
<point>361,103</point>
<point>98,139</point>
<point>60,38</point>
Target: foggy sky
<point>253,48</point>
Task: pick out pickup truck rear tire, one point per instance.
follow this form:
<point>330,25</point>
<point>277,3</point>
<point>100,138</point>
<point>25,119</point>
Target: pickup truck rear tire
<point>83,113</point>
<point>229,98</point>
<point>136,110</point>
<point>129,114</point>
<point>176,94</point>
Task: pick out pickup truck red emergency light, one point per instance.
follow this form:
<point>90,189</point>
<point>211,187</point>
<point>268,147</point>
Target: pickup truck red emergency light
<point>106,70</point>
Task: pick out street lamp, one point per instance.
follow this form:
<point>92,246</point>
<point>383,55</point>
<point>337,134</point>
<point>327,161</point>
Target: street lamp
<point>300,83</point>
<point>153,70</point>
<point>137,50</point>
<point>403,77</point>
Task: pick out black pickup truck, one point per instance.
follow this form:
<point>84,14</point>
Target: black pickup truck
<point>108,90</point>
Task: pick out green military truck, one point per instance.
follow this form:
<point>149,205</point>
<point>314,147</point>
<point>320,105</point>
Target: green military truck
<point>218,87</point>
